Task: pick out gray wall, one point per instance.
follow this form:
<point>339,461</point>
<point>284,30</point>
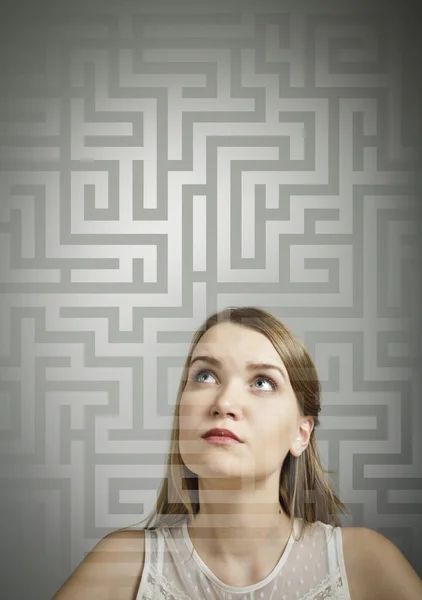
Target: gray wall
<point>158,162</point>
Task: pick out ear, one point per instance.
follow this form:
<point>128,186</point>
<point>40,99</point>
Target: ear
<point>306,425</point>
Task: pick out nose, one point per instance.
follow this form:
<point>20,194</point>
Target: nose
<point>225,402</point>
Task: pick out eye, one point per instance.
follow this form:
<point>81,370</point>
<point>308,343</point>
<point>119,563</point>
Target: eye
<point>198,373</point>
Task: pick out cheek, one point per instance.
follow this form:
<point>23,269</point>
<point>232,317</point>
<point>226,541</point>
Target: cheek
<point>188,408</point>
<point>188,399</point>
<point>272,444</point>
<point>275,431</point>
<point>189,417</point>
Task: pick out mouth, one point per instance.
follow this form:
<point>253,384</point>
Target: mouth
<point>218,433</point>
<point>221,440</point>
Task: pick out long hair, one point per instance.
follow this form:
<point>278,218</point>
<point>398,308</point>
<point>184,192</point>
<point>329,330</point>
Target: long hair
<point>305,490</point>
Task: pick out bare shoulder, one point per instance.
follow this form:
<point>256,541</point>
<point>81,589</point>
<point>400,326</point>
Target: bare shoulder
<point>376,569</point>
<point>352,542</point>
<point>113,569</point>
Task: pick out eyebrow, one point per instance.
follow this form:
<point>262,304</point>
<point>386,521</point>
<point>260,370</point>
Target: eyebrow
<point>250,366</point>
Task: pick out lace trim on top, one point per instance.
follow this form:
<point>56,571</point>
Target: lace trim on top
<point>160,588</point>
<point>330,587</point>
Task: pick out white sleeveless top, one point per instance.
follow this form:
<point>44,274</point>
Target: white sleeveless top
<point>309,569</point>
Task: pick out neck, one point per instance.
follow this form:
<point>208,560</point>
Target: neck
<point>239,537</point>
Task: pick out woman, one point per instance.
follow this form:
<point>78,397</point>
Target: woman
<point>252,515</point>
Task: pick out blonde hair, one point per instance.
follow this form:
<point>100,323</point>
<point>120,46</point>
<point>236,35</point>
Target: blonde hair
<point>305,491</point>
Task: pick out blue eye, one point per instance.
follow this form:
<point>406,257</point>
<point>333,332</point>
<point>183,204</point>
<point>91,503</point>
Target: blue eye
<point>199,372</point>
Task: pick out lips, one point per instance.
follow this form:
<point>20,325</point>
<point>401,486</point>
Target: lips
<point>221,432</point>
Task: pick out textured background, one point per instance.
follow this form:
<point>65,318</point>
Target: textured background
<point>158,162</point>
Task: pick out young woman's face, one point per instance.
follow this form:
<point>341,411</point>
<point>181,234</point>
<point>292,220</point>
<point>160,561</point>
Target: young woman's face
<point>257,404</point>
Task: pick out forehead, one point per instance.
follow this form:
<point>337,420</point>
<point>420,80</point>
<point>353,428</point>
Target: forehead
<point>231,339</point>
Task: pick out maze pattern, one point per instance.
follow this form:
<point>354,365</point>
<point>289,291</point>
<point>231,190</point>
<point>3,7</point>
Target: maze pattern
<point>157,165</point>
